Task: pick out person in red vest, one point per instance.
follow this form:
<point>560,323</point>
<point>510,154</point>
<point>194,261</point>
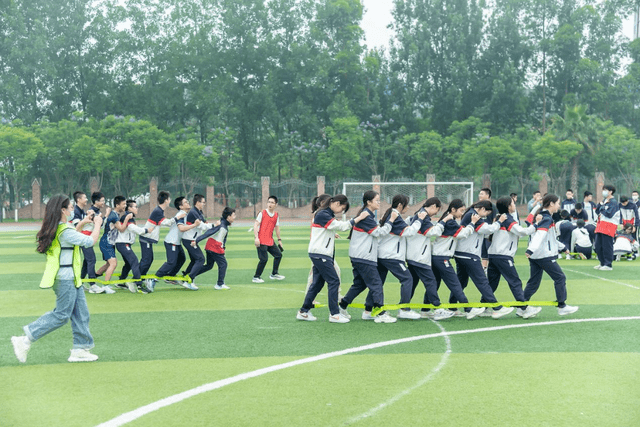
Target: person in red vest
<point>266,222</point>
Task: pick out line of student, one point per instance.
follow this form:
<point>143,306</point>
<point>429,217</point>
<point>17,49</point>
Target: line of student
<point>406,251</point>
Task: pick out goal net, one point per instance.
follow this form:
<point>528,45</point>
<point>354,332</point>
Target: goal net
<point>417,192</point>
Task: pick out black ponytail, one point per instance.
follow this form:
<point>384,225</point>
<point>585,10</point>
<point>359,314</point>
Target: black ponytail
<point>318,201</point>
<point>399,199</point>
<point>455,204</point>
<point>366,197</point>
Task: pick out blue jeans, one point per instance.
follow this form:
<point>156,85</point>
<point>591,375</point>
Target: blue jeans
<point>70,304</point>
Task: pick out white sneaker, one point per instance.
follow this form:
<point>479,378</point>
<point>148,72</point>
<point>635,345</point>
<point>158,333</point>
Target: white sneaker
<point>190,286</point>
<point>151,284</point>
<point>502,312</point>
<point>221,287</point>
<point>305,316</point>
<point>567,309</point>
<point>488,312</point>
<point>385,318</point>
<point>529,312</point>
<point>95,289</point>
<point>408,314</point>
<point>276,277</point>
<point>605,268</point>
<point>430,314</point>
<point>257,280</point>
<point>21,346</point>
<point>108,289</point>
<point>344,312</point>
<point>597,267</point>
<point>459,313</point>
<point>82,355</point>
<point>568,256</point>
<point>133,288</point>
<point>442,314</point>
<point>366,315</point>
<point>338,318</point>
<point>475,311</point>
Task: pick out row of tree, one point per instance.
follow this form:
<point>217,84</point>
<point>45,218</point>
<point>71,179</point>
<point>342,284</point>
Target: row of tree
<point>286,88</point>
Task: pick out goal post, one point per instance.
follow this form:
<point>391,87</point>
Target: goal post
<point>417,192</point>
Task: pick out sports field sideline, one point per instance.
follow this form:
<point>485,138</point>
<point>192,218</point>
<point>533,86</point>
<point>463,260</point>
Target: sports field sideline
<point>239,357</point>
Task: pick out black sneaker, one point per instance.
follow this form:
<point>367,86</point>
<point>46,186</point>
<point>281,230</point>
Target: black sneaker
<point>122,286</point>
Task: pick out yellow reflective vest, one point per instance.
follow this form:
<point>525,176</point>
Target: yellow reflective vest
<point>53,260</point>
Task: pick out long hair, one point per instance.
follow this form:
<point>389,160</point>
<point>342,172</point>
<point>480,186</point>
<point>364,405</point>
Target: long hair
<point>548,199</point>
<point>429,202</point>
<point>340,198</point>
<point>503,204</point>
<point>454,205</point>
<point>318,201</point>
<point>480,204</point>
<point>398,199</point>
<point>366,197</point>
<point>52,215</point>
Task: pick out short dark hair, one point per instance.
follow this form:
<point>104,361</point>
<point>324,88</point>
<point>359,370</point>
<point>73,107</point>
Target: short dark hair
<point>536,192</point>
<point>227,211</point>
<point>95,197</point>
<point>512,195</point>
<point>131,202</point>
<point>117,200</point>
<point>634,191</point>
<point>624,199</point>
<point>564,214</point>
<point>579,206</point>
<point>568,189</point>
<point>611,188</point>
<point>580,223</point>
<point>588,193</point>
<point>178,202</point>
<point>274,198</point>
<point>197,198</point>
<point>77,195</point>
<point>163,196</point>
<point>486,190</point>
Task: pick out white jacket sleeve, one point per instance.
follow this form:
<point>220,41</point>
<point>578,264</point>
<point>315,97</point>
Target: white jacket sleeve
<point>337,225</point>
<point>522,231</point>
<point>466,232</point>
<point>381,231</point>
<point>136,229</point>
<point>412,229</point>
<point>486,229</point>
<point>436,230</point>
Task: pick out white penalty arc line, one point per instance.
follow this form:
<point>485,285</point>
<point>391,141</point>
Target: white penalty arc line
<point>602,278</point>
<point>147,409</point>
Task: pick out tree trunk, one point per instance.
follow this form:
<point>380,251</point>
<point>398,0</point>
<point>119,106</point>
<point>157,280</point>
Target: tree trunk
<point>574,175</point>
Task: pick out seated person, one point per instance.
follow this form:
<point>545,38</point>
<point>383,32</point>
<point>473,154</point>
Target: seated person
<point>625,245</point>
<point>578,213</point>
<point>581,245</point>
<point>564,228</point>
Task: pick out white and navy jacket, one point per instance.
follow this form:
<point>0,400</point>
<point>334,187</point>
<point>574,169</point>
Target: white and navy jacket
<point>544,244</point>
<point>472,245</point>
<point>580,237</point>
<point>608,217</point>
<point>156,219</point>
<point>625,243</point>
<point>419,245</point>
<point>129,234</point>
<point>364,239</point>
<point>445,245</point>
<point>568,205</point>
<point>564,228</point>
<point>79,215</point>
<point>583,215</point>
<point>323,233</point>
<point>629,214</point>
<point>218,240</point>
<point>174,237</point>
<point>590,209</point>
<point>394,245</point>
<point>193,233</point>
<point>505,240</point>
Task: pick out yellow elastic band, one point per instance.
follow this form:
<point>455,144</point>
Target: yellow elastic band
<point>146,276</point>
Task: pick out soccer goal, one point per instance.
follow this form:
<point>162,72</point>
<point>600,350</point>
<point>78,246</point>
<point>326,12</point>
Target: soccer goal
<point>417,192</point>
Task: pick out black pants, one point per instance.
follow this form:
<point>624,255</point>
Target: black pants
<point>212,259</point>
<point>401,272</point>
<point>499,266</point>
<point>131,263</point>
<point>146,258</point>
<point>551,267</point>
<point>263,257</point>
<point>175,260</point>
<point>323,271</point>
<point>442,270</point>
<point>592,232</point>
<point>425,274</point>
<point>604,249</point>
<point>364,276</point>
<point>197,259</point>
<point>587,252</point>
<point>89,263</point>
<point>471,267</point>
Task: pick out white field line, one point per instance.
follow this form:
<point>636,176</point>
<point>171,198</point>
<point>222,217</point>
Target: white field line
<point>602,278</point>
<point>423,381</point>
<point>147,409</point>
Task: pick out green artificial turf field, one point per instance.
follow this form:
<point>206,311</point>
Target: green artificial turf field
<point>239,357</point>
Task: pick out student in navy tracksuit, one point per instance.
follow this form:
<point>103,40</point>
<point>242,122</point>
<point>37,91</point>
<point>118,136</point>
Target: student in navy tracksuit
<point>156,219</point>
<point>564,228</point>
<point>443,249</point>
<point>629,213</point>
<point>363,251</point>
<point>568,205</point>
<point>578,213</point>
<point>543,257</point>
<point>485,194</point>
<point>419,257</point>
<point>608,219</point>
<point>580,241</point>
<point>124,241</point>
<point>467,256</point>
<point>392,253</point>
<point>195,253</point>
<point>215,247</point>
<point>321,252</point>
<point>590,208</point>
<point>84,224</point>
<point>501,253</point>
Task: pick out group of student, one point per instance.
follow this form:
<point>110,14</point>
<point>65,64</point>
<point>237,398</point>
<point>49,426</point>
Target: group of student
<point>482,233</point>
<point>609,228</point>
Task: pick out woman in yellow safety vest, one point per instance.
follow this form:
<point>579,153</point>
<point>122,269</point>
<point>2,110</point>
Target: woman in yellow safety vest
<point>61,243</point>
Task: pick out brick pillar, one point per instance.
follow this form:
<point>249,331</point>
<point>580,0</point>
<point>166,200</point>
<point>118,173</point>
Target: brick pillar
<point>599,186</point>
<point>209,207</point>
<point>486,180</point>
<point>94,185</point>
<point>153,194</point>
<point>36,198</point>
<point>543,185</point>
<point>265,190</point>
<point>431,189</point>
<point>376,187</point>
<point>320,183</point>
